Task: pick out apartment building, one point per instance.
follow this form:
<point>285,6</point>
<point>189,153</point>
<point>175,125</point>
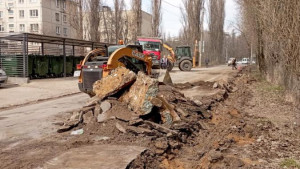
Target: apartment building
<point>47,17</point>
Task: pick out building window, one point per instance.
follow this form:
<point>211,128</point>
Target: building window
<point>65,18</point>
<point>32,1</point>
<point>57,16</point>
<point>11,12</point>
<point>57,3</point>
<point>64,4</point>
<point>22,27</point>
<point>21,1</point>
<point>21,13</point>
<point>11,27</point>
<point>10,19</point>
<point>58,30</point>
<point>65,31</point>
<point>1,14</point>
<point>34,27</point>
<point>1,28</point>
<point>34,13</point>
<point>10,5</point>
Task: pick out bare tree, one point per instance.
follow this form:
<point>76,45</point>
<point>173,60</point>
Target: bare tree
<point>91,19</point>
<point>94,6</point>
<point>156,17</point>
<point>75,16</point>
<point>192,15</point>
<point>191,20</point>
<point>216,28</point>
<point>273,27</point>
<point>136,27</point>
<point>118,22</point>
<point>125,27</point>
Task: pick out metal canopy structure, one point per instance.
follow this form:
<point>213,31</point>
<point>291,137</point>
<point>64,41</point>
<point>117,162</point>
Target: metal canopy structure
<point>45,39</point>
<point>38,38</point>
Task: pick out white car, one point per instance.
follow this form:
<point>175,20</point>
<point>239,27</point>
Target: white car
<point>3,77</point>
<point>239,62</point>
<point>245,61</point>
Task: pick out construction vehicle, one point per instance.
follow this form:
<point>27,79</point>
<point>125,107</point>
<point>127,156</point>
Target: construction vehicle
<point>99,62</point>
<point>184,59</point>
<point>181,57</point>
<point>151,46</point>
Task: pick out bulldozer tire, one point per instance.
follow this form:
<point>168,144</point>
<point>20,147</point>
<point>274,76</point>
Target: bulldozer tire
<point>170,66</point>
<point>185,65</point>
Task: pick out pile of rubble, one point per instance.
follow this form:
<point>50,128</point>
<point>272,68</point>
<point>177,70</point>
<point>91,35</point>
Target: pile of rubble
<point>144,104</point>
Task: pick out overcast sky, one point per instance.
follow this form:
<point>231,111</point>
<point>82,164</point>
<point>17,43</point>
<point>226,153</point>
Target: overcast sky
<point>171,15</point>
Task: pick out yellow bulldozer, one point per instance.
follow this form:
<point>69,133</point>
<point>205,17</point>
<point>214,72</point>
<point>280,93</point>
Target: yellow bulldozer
<point>98,63</point>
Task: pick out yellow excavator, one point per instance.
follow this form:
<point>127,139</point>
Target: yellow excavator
<point>98,63</point>
<point>181,57</point>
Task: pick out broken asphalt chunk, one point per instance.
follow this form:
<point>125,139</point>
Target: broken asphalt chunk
<point>140,94</point>
<point>119,79</point>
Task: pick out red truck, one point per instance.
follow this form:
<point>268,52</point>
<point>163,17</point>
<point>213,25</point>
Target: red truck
<point>152,46</point>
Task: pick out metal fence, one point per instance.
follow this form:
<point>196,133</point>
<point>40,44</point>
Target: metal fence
<point>12,59</point>
<point>21,55</point>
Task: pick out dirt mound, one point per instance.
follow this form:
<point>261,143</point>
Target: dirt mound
<point>172,122</point>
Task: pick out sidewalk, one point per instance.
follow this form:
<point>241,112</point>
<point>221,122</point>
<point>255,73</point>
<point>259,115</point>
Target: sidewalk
<point>36,90</point>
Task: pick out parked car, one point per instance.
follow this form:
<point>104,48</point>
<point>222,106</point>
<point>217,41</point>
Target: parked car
<point>3,77</point>
<point>245,61</point>
<point>239,62</point>
<point>230,61</point>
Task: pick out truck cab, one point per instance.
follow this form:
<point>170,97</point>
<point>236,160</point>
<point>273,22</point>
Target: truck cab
<point>152,47</point>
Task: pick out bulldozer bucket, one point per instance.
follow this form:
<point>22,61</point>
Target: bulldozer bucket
<point>163,76</point>
<point>167,79</point>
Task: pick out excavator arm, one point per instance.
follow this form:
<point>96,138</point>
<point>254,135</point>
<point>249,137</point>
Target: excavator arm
<point>172,57</point>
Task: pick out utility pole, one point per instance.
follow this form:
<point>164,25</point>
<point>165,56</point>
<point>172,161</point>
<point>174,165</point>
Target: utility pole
<point>195,53</point>
<point>201,44</point>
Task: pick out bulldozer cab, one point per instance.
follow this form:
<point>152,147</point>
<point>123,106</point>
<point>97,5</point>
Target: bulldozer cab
<point>183,52</point>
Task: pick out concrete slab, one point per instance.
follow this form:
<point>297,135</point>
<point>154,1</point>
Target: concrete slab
<point>96,157</point>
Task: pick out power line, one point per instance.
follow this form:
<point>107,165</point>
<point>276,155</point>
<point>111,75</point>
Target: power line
<point>171,4</point>
<point>172,13</point>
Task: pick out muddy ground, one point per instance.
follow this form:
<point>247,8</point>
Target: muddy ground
<point>251,127</point>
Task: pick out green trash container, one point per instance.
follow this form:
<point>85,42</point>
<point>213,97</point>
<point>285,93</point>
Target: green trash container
<point>42,65</point>
<point>69,65</point>
<point>56,66</point>
<point>31,65</point>
<point>10,65</point>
